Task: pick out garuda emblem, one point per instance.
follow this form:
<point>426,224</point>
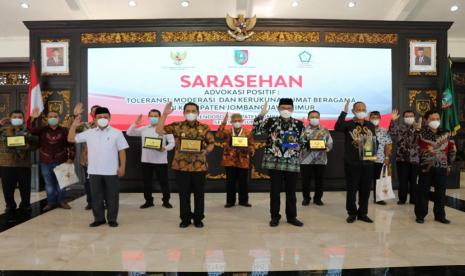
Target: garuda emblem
<point>240,27</point>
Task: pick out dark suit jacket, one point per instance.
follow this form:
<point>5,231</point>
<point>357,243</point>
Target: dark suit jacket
<point>426,61</point>
<point>51,62</point>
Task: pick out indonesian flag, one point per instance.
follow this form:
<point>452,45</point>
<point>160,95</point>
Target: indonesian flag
<point>34,95</point>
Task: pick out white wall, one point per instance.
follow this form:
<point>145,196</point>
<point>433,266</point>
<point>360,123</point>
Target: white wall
<point>456,47</point>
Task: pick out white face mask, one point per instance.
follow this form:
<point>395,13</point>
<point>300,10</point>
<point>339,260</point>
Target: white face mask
<point>191,116</point>
<point>16,122</point>
<point>409,120</point>
<point>102,122</point>
<point>434,124</point>
<point>286,114</point>
<point>361,115</point>
<point>237,124</point>
<point>375,122</point>
<point>314,121</point>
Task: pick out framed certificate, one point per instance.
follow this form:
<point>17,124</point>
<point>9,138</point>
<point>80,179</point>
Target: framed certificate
<point>153,143</point>
<point>317,144</point>
<point>240,142</point>
<point>16,141</point>
<point>191,145</point>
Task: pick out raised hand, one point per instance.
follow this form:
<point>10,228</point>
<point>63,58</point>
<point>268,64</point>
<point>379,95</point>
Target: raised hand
<point>5,120</point>
<point>225,119</point>
<point>394,114</point>
<point>346,106</point>
<point>139,120</point>
<point>168,109</point>
<point>78,109</point>
<point>35,113</point>
<point>265,109</point>
<point>77,120</point>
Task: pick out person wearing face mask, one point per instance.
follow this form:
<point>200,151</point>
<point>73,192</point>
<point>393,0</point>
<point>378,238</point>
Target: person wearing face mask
<point>359,154</point>
<point>15,161</point>
<point>78,110</point>
<point>194,142</point>
<point>107,162</point>
<point>314,158</point>
<point>153,159</point>
<point>54,150</point>
<point>437,153</point>
<point>281,157</point>
<point>237,151</point>
<point>383,152</point>
<point>407,158</point>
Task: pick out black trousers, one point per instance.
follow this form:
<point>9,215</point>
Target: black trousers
<point>377,167</point>
<point>161,171</point>
<point>87,185</point>
<point>105,187</point>
<point>237,177</point>
<point>438,178</point>
<point>290,181</point>
<point>315,172</point>
<point>359,178</point>
<point>13,177</point>
<point>191,182</point>
<point>408,175</point>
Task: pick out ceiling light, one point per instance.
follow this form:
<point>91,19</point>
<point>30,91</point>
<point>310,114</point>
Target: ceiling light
<point>132,3</point>
<point>24,5</point>
<point>351,4</point>
<point>295,3</point>
<point>185,3</point>
<point>454,8</point>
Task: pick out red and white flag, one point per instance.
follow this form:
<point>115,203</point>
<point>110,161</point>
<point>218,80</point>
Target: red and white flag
<point>34,95</point>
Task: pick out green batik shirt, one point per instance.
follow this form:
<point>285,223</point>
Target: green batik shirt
<point>282,151</point>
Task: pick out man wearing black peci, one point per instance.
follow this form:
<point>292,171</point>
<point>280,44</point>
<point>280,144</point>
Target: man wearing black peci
<point>359,154</point>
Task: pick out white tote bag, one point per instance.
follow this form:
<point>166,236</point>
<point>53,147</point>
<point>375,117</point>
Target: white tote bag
<point>66,175</point>
<point>384,186</point>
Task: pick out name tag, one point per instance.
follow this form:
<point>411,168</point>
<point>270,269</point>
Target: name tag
<point>153,143</point>
<point>191,145</point>
<point>16,141</point>
<point>317,144</point>
<point>241,142</point>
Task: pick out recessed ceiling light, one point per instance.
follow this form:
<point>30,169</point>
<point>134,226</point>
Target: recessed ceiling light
<point>185,3</point>
<point>295,3</point>
<point>132,3</point>
<point>454,8</point>
<point>24,5</point>
<point>351,4</point>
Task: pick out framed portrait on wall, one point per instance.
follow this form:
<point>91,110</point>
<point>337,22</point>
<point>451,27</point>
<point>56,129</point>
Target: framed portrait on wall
<point>55,57</point>
<point>422,57</point>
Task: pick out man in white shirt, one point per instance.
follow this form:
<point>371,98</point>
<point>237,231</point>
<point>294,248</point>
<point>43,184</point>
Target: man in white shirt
<point>107,161</point>
<point>153,159</point>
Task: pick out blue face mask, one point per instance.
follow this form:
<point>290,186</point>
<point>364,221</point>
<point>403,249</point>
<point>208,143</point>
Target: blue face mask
<point>153,120</point>
<point>52,121</point>
<point>16,122</point>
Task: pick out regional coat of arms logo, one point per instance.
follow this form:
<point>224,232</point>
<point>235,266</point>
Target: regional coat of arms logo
<point>241,56</point>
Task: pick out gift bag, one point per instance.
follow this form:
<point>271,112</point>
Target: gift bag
<point>66,175</point>
<point>384,186</point>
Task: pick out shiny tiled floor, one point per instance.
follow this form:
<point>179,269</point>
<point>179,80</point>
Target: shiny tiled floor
<point>35,196</point>
<point>237,239</point>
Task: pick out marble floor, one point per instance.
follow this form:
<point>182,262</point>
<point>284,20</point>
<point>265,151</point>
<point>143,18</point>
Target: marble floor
<point>236,239</point>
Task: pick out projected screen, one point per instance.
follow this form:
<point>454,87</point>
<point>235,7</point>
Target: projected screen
<point>132,80</point>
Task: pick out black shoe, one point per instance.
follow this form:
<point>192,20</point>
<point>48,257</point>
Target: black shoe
<point>443,220</point>
<point>113,224</point>
<point>274,222</point>
<point>295,222</point>
<point>400,202</point>
<point>420,220</point>
<point>10,210</point>
<point>306,202</point>
<point>184,224</point>
<point>147,205</point>
<point>228,205</point>
<point>351,218</point>
<point>167,205</point>
<point>318,202</point>
<point>246,204</point>
<point>25,207</point>
<point>97,223</point>
<point>380,202</point>
<point>365,219</point>
<point>88,207</point>
<point>198,224</point>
